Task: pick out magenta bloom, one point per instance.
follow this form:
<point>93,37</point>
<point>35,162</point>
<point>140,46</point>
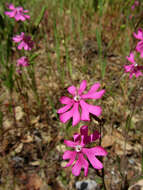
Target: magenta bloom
<point>80,151</point>
<point>136,3</point>
<point>17,12</point>
<point>71,109</point>
<point>133,69</point>
<point>87,138</point>
<point>22,62</point>
<point>139,36</point>
<point>24,41</point>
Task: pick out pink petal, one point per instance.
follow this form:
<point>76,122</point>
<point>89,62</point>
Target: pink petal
<point>69,155</point>
<point>141,54</point>
<point>80,163</point>
<point>76,137</point>
<point>27,16</point>
<point>72,113</point>
<point>130,58</point>
<point>22,18</point>
<point>96,135</point>
<point>23,61</point>
<point>17,17</point>
<point>66,116</point>
<point>11,7</point>
<point>133,7</point>
<point>65,108</point>
<point>131,75</point>
<point>93,95</point>
<point>139,35</point>
<point>84,111</point>
<point>26,47</point>
<point>76,114</point>
<point>136,3</point>
<point>98,151</point>
<point>90,153</point>
<point>10,14</point>
<point>138,73</point>
<point>94,87</point>
<point>85,139</point>
<point>65,100</point>
<point>21,45</point>
<point>70,143</point>
<point>17,38</point>
<point>82,87</point>
<point>72,90</point>
<point>95,110</point>
<point>88,139</point>
<point>84,130</point>
<point>139,47</point>
<point>87,108</point>
<point>128,68</point>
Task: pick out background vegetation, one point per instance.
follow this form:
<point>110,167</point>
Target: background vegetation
<point>74,40</point>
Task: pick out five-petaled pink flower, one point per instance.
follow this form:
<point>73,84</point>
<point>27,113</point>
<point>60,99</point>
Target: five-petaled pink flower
<point>133,69</point>
<point>22,62</point>
<point>71,109</point>
<point>17,12</point>
<point>24,41</point>
<point>80,152</point>
<point>139,36</point>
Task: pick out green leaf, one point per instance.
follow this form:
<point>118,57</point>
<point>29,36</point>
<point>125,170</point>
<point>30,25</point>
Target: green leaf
<point>103,67</point>
<point>32,57</point>
<point>39,18</point>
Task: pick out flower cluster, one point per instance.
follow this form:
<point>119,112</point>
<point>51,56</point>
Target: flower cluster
<point>17,12</point>
<point>77,109</point>
<point>24,41</point>
<point>133,7</point>
<point>79,145</point>
<point>134,68</point>
<point>136,4</point>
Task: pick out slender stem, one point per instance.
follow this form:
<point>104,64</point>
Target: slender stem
<point>24,103</point>
<point>126,134</point>
<point>13,109</point>
<point>101,125</point>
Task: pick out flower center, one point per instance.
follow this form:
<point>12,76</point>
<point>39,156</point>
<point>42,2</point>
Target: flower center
<point>77,98</point>
<point>136,65</point>
<point>19,10</point>
<point>78,148</point>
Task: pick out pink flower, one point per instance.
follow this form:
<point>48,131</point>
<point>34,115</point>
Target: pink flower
<point>22,62</point>
<point>71,109</point>
<point>24,41</point>
<point>136,3</point>
<point>17,12</point>
<point>87,138</point>
<point>139,36</point>
<point>76,157</point>
<point>133,69</point>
